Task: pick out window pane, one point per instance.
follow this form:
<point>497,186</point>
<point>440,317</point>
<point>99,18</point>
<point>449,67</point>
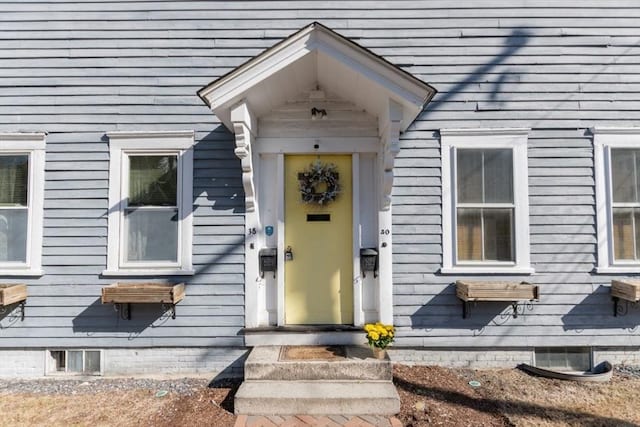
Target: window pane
<point>623,176</point>
<point>469,233</point>
<point>623,233</point>
<point>498,234</point>
<point>91,361</point>
<point>469,176</point>
<point>74,361</point>
<point>498,176</point>
<point>153,180</point>
<point>152,235</point>
<point>636,222</point>
<point>13,235</point>
<point>14,180</point>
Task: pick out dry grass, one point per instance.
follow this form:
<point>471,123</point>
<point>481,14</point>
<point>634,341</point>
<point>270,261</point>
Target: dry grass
<point>533,401</point>
<point>430,396</point>
<point>122,408</point>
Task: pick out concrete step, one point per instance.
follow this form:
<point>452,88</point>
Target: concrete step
<point>316,398</point>
<point>264,363</point>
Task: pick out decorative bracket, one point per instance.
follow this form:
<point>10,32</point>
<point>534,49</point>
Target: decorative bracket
<point>390,141</point>
<point>124,309</point>
<point>245,128</point>
<point>21,306</point>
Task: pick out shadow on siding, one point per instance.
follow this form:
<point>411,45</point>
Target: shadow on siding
<point>98,318</point>
<point>444,310</point>
<point>596,312</point>
<point>10,315</point>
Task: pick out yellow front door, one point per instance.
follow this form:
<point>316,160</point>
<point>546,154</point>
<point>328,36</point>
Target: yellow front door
<point>319,277</point>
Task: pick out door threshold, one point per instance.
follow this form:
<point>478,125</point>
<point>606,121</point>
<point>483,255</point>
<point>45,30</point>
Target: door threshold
<point>301,328</point>
<point>304,335</point>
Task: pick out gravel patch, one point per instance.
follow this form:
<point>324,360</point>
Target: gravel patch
<point>181,386</point>
<point>628,371</point>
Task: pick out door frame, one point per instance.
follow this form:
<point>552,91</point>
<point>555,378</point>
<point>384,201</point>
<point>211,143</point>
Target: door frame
<point>355,240</point>
<point>358,316</point>
<point>276,148</point>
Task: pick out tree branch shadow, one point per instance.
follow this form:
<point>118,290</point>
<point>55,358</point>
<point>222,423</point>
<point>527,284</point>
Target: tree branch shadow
<point>504,408</point>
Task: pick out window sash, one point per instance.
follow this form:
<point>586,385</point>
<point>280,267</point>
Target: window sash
<point>13,175</point>
<point>476,200</point>
<point>625,202</point>
<point>477,245</point>
<point>488,177</point>
<point>23,205</point>
<point>126,209</point>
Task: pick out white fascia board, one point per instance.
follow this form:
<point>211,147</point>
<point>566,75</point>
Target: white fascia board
<point>152,140</point>
<point>406,90</point>
<point>222,94</point>
<point>23,140</point>
<point>396,84</point>
<point>484,131</point>
<point>604,130</point>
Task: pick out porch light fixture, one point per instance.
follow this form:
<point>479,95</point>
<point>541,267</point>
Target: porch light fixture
<point>318,113</point>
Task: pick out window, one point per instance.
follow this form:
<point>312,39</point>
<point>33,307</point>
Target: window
<point>563,358</point>
<point>617,170</point>
<point>150,199</point>
<point>77,362</point>
<point>21,203</point>
<point>485,201</point>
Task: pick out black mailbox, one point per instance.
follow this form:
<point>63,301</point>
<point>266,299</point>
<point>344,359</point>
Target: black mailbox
<point>268,260</point>
<point>369,261</point>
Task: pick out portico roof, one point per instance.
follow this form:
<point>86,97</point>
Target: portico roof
<point>317,56</point>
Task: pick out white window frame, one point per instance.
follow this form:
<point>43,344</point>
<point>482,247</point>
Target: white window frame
<point>510,138</point>
<point>604,140</point>
<point>51,368</point>
<point>121,145</point>
<point>33,145</point>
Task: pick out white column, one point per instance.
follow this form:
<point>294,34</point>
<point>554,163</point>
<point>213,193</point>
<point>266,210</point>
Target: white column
<point>246,128</point>
<point>390,147</point>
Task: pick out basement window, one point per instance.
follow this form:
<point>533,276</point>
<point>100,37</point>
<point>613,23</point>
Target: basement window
<point>564,358</point>
<point>75,362</point>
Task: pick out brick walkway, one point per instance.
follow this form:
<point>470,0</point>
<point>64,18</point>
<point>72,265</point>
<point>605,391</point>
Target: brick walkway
<point>317,421</point>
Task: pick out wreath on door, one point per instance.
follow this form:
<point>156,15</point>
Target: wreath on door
<point>319,183</point>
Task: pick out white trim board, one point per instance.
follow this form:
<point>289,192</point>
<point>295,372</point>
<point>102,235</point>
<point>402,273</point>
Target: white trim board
<point>512,138</point>
<point>606,138</point>
<point>172,142</point>
<point>32,144</point>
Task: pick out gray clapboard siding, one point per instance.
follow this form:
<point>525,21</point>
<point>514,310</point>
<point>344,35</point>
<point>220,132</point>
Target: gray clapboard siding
<point>136,65</point>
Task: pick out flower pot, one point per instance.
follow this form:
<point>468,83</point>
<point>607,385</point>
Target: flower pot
<point>379,353</point>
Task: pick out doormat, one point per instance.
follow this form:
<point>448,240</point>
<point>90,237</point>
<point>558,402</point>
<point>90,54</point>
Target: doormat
<point>312,352</point>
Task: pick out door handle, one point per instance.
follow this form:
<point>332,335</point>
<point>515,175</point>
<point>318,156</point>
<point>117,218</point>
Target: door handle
<point>288,254</point>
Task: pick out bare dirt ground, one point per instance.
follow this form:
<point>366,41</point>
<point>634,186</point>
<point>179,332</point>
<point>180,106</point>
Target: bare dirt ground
<point>431,396</point>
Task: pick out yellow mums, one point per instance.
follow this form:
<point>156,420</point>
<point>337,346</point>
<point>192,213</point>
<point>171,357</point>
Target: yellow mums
<point>379,335</point>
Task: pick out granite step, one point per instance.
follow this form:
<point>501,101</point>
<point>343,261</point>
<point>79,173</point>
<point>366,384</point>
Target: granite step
<point>316,398</point>
<point>355,363</point>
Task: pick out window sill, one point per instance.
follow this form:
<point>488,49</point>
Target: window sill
<point>21,273</point>
<point>487,270</point>
<point>147,272</point>
<point>618,269</point>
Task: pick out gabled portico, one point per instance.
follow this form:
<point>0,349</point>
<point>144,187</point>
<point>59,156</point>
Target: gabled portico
<point>319,95</point>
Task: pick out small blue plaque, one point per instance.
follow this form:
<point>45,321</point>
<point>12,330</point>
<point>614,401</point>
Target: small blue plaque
<point>269,230</point>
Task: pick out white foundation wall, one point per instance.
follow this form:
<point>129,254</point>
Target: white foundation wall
<point>215,362</point>
<point>22,363</point>
<point>229,362</point>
